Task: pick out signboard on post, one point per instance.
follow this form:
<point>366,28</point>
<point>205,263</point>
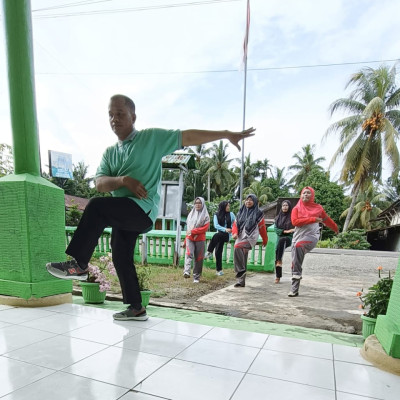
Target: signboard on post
<point>60,165</point>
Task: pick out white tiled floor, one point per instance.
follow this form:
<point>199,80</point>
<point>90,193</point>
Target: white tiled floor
<point>78,352</point>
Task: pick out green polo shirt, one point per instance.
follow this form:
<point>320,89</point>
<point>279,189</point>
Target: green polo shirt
<point>140,158</point>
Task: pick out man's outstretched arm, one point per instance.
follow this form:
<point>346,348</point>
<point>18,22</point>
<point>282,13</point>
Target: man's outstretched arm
<point>195,137</point>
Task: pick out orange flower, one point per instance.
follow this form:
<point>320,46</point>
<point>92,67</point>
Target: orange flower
<point>358,294</point>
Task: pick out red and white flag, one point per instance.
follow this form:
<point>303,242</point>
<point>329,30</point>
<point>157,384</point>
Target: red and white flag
<point>246,37</point>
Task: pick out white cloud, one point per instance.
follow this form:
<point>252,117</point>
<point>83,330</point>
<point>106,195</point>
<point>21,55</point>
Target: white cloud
<point>288,107</point>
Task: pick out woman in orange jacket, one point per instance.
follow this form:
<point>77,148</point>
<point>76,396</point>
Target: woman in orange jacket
<point>248,226</point>
<point>198,222</point>
<point>306,217</point>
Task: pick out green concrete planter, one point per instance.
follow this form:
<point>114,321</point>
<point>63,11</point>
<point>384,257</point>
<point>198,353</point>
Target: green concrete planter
<point>368,326</point>
<point>145,297</point>
<point>91,293</point>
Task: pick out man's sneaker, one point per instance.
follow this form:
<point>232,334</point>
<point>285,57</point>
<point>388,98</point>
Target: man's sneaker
<point>208,256</point>
<point>130,314</point>
<point>196,281</point>
<point>298,277</point>
<point>67,270</point>
<point>186,275</point>
<point>219,273</point>
<point>293,294</point>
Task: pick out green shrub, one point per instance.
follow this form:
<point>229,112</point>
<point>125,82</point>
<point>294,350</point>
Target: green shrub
<point>326,244</point>
<point>376,300</point>
<point>355,239</point>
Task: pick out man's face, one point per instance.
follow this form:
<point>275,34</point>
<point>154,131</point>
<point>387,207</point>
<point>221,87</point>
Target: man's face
<point>121,118</point>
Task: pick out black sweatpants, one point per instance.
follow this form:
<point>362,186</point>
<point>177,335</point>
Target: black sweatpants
<point>217,242</point>
<point>127,221</point>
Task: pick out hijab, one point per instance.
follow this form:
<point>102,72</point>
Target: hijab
<point>196,218</point>
<point>309,208</point>
<point>249,218</point>
<point>223,215</point>
<point>283,220</point>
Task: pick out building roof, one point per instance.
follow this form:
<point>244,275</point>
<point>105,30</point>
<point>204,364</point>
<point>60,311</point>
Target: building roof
<point>271,210</point>
<point>388,213</point>
<point>176,159</point>
<point>73,200</point>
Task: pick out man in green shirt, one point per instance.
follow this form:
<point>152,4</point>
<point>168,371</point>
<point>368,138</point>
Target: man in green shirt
<point>131,171</point>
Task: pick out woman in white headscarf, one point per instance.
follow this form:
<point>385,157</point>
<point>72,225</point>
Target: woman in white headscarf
<point>198,222</point>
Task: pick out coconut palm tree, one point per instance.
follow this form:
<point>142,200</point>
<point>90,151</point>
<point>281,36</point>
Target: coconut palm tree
<point>262,168</point>
<point>369,204</point>
<point>218,169</point>
<point>305,163</point>
<point>370,131</point>
<point>263,193</point>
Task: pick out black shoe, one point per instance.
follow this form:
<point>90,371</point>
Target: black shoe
<point>67,270</point>
<point>130,314</point>
<point>293,294</point>
<point>239,285</point>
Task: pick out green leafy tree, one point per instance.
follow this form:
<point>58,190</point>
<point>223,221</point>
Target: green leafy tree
<point>262,169</point>
<point>73,215</point>
<point>6,160</point>
<point>368,205</point>
<point>329,194</point>
<point>218,168</point>
<point>305,164</point>
<point>263,193</point>
<point>278,184</point>
<point>354,239</point>
<point>194,183</point>
<point>391,189</point>
<point>370,131</point>
<point>81,184</point>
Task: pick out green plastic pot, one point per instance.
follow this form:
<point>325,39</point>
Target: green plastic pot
<point>368,326</point>
<point>91,293</point>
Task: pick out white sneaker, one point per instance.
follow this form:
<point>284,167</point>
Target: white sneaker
<point>196,281</point>
<point>186,275</point>
<point>297,277</point>
<point>219,273</point>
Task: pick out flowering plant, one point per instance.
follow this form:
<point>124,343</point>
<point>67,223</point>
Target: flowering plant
<point>101,273</point>
<point>377,297</point>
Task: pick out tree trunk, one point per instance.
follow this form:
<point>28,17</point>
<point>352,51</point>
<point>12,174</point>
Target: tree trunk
<point>351,208</point>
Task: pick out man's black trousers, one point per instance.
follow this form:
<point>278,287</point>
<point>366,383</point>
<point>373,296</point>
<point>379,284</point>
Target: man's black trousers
<point>127,221</point>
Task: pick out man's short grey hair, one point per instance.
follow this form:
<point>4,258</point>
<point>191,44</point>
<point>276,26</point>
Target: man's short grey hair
<point>128,102</point>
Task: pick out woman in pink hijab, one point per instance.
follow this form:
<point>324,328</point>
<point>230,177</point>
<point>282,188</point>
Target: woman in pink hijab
<point>306,217</point>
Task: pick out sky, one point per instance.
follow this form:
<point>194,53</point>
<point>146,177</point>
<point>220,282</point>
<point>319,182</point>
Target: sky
<point>181,62</point>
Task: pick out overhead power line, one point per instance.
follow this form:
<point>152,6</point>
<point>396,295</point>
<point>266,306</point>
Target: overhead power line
<point>222,70</point>
<point>74,4</point>
<point>126,9</point>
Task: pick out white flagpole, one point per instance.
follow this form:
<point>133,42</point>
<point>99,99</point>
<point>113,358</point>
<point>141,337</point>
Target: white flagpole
<point>245,44</point>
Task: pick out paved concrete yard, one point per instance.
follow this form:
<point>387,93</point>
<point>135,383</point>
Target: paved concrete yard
<point>327,300</point>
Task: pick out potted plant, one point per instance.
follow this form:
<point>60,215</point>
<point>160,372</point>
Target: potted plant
<point>376,301</point>
<point>143,274</point>
<point>94,289</point>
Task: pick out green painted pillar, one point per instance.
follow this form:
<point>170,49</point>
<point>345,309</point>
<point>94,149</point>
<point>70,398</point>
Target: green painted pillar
<point>32,222</point>
<point>387,328</point>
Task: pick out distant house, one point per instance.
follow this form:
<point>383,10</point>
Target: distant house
<point>387,237</point>
<point>73,200</point>
<point>271,210</point>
